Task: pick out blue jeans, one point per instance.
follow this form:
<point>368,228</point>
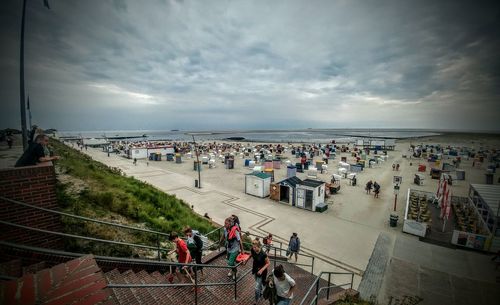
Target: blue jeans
<point>258,287</point>
<point>283,301</point>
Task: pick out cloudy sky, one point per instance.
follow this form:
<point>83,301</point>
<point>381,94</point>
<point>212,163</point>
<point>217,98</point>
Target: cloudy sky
<point>199,65</point>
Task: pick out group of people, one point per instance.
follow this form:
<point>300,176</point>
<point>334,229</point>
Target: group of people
<point>395,166</point>
<point>372,185</point>
<point>278,287</point>
<point>37,151</point>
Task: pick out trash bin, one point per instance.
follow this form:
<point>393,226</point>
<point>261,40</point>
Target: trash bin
<point>196,164</point>
<point>489,178</point>
<point>393,220</point>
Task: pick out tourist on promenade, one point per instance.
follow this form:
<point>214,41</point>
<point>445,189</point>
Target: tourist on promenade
<point>259,267</point>
<point>397,167</point>
<point>195,246</point>
<point>285,285</point>
<point>135,161</point>
<point>369,186</point>
<point>393,166</point>
<point>183,255</point>
<point>293,246</point>
<point>376,188</point>
<point>35,153</point>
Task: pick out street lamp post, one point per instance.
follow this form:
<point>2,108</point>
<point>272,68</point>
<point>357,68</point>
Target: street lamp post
<point>21,77</point>
<point>21,83</point>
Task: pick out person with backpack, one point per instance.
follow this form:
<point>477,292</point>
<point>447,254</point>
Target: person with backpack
<point>285,285</point>
<point>195,246</point>
<point>234,245</point>
<point>259,267</point>
<point>293,246</point>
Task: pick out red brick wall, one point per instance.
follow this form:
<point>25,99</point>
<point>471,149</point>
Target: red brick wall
<point>34,185</point>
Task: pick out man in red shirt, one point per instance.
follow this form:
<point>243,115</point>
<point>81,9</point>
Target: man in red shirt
<point>183,255</point>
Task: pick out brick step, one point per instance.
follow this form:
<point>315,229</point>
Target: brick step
<point>159,294</point>
<point>141,294</point>
<point>123,296</point>
<point>12,268</point>
<point>78,281</point>
<point>34,268</point>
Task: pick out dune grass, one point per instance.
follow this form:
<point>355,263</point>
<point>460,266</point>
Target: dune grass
<point>107,194</point>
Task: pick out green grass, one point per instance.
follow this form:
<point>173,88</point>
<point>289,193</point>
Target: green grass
<point>106,193</point>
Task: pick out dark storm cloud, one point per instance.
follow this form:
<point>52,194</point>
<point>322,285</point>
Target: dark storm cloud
<point>250,64</point>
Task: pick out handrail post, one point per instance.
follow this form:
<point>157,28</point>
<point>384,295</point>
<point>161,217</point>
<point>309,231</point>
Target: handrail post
<point>274,261</point>
<point>317,290</point>
<point>235,284</point>
<point>312,266</point>
<point>328,291</point>
<point>352,279</point>
<point>195,285</point>
<point>158,245</point>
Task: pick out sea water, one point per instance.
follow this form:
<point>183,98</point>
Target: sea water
<point>283,136</point>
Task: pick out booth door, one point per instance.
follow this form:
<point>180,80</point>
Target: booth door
<point>300,198</point>
<point>309,200</point>
<point>284,193</point>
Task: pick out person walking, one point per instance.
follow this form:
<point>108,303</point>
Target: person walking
<point>259,267</point>
<point>195,246</point>
<point>285,285</point>
<point>376,188</point>
<point>183,255</point>
<point>268,240</point>
<point>368,187</point>
<point>233,243</point>
<point>293,246</point>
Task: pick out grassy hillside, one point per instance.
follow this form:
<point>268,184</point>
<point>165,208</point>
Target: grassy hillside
<point>92,189</point>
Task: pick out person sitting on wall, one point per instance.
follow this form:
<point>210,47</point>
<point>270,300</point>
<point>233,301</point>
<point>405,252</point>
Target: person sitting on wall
<point>35,153</point>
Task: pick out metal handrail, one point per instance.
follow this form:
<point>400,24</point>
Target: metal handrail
<point>165,265</point>
<point>316,284</point>
<point>81,237</point>
<point>157,233</point>
<point>83,218</point>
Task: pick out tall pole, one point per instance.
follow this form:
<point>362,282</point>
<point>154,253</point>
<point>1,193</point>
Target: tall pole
<point>21,83</point>
<point>198,163</point>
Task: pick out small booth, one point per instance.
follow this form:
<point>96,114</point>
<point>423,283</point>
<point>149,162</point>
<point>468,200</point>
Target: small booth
<point>417,215</point>
<point>257,184</point>
<point>310,195</point>
<point>285,190</point>
<point>291,171</point>
<point>478,219</point>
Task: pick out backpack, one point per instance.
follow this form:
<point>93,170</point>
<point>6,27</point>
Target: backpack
<point>201,242</point>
